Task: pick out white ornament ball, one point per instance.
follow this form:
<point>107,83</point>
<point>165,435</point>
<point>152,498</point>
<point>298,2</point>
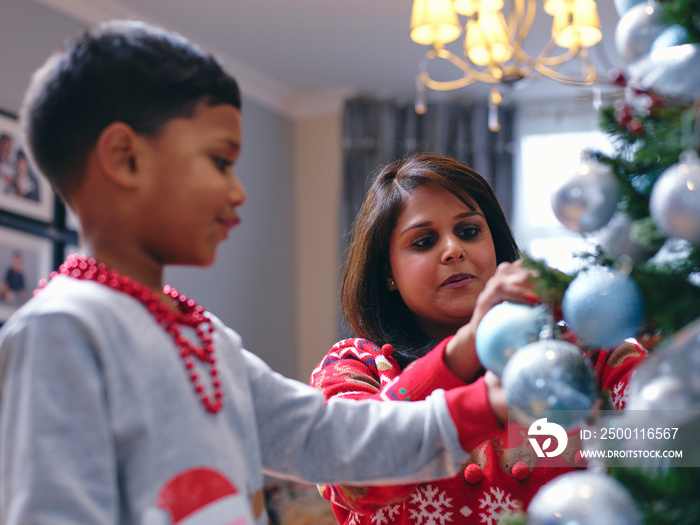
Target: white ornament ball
<point>603,306</point>
<point>504,329</point>
<point>637,29</point>
<point>550,379</point>
<point>674,204</point>
<point>588,200</point>
<point>583,498</point>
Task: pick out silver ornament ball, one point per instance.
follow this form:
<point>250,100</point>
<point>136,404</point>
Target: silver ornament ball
<point>588,200</point>
<point>583,498</point>
<point>637,29</point>
<point>622,6</point>
<point>669,71</point>
<point>617,241</point>
<point>674,204</point>
<point>549,379</point>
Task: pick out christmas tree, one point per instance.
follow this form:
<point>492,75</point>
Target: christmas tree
<point>641,206</point>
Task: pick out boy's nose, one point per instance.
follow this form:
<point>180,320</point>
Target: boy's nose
<point>237,192</point>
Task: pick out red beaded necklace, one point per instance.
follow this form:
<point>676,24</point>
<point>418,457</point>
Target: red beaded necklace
<point>191,314</point>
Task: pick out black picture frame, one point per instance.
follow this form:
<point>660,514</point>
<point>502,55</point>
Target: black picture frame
<point>25,259</point>
<point>22,190</point>
<point>38,229</point>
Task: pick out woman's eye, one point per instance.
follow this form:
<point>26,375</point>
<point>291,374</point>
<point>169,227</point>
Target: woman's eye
<point>423,242</point>
<point>469,232</point>
<point>222,164</point>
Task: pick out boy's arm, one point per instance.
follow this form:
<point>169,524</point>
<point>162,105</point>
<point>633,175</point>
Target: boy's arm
<point>353,442</point>
<point>57,458</point>
<point>355,369</point>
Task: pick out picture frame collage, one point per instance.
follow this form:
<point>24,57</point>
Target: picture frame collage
<point>36,229</point>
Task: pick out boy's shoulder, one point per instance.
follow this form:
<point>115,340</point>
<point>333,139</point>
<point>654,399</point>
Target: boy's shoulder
<point>82,300</point>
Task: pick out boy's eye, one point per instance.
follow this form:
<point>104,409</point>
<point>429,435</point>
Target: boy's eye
<point>222,164</point>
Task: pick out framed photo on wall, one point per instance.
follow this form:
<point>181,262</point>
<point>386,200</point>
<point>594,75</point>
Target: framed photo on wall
<point>24,260</point>
<point>22,190</point>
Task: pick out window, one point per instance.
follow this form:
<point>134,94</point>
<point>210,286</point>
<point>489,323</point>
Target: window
<point>550,140</point>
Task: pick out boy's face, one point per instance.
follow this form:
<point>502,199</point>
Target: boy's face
<point>191,194</point>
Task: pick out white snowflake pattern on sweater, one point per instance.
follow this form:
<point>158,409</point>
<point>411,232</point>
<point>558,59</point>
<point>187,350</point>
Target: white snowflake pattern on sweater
<point>386,515</point>
<point>495,502</point>
<point>429,506</point>
<point>620,394</point>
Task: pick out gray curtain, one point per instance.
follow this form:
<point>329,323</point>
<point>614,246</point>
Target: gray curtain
<point>376,132</point>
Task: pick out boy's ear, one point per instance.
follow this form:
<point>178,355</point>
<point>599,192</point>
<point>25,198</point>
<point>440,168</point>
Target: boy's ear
<point>116,154</point>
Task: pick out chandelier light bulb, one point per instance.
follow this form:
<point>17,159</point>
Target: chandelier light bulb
<point>434,22</point>
<point>493,49</point>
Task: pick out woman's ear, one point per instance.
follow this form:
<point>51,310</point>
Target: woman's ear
<point>116,154</point>
<point>391,284</point>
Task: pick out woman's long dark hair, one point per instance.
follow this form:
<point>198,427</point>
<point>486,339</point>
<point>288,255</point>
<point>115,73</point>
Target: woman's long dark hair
<point>371,310</point>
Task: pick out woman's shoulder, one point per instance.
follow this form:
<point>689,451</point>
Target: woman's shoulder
<point>376,358</point>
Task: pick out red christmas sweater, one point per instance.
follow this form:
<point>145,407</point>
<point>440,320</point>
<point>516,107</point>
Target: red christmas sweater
<point>503,472</point>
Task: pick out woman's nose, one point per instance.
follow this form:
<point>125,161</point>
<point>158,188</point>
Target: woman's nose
<point>452,250</point>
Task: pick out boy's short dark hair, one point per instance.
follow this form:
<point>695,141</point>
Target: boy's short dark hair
<point>123,71</point>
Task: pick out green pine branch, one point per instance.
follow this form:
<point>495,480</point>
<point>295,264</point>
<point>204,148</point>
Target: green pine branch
<point>685,13</point>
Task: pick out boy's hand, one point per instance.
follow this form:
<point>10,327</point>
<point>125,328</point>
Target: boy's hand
<point>511,282</point>
<point>497,397</point>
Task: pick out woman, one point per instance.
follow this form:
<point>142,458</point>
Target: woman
<point>431,253</point>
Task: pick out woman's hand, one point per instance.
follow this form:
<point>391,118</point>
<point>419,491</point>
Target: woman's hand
<point>511,282</point>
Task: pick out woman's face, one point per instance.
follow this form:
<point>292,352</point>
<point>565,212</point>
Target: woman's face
<point>441,254</point>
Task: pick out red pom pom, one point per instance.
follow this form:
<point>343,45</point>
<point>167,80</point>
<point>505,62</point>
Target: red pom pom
<point>387,350</point>
<point>473,473</point>
<point>520,470</point>
<point>580,461</point>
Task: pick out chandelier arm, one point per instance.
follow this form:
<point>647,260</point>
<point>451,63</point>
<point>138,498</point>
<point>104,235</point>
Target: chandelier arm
<point>471,74</point>
<point>525,16</point>
<point>586,80</point>
<point>448,85</point>
<point>557,60</point>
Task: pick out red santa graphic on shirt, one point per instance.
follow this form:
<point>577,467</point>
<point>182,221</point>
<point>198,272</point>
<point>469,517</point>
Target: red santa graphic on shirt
<point>199,496</point>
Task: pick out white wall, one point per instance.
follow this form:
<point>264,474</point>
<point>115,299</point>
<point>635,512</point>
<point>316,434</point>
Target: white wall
<point>255,284</point>
<point>252,286</point>
<point>318,186</point>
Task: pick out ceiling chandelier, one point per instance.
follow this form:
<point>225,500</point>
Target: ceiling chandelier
<point>493,44</point>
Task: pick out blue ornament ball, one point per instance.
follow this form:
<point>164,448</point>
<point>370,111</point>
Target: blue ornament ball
<point>504,329</point>
<point>674,35</point>
<point>583,498</point>
<point>603,306</point>
<point>550,379</point>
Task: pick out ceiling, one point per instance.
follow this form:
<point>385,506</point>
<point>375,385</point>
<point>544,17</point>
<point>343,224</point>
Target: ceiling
<point>307,53</point>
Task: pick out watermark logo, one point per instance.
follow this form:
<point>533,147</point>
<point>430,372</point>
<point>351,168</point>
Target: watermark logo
<point>542,427</point>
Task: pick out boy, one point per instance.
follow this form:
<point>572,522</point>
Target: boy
<point>122,401</point>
